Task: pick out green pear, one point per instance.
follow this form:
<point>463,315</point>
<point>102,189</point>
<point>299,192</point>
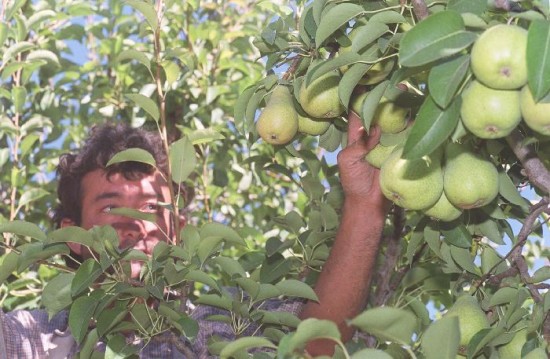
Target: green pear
<point>379,154</point>
<point>499,57</point>
<point>512,349</point>
<point>320,99</point>
<point>412,184</point>
<point>312,126</point>
<point>489,113</point>
<point>469,180</point>
<point>471,319</point>
<point>443,210</point>
<point>537,353</point>
<point>535,114</point>
<point>390,117</point>
<point>278,122</point>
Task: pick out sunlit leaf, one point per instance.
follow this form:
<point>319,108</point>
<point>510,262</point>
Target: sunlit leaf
<point>182,159</point>
<point>334,18</point>
<point>147,10</point>
<point>146,104</point>
<point>438,36</point>
<point>132,54</point>
<point>133,155</point>
<point>23,228</point>
<point>431,128</point>
<point>445,79</point>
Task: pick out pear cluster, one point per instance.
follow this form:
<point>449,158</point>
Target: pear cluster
<point>280,121</point>
<point>498,98</point>
<point>442,184</point>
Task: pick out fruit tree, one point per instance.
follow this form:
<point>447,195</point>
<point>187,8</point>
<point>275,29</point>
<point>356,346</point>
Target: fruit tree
<point>252,110</point>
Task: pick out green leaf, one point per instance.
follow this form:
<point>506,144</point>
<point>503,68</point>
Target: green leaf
<point>367,34</point>
<point>230,266</point>
<point>57,293</point>
<point>387,323</point>
<point>133,155</point>
<point>468,6</point>
<point>182,159</point>
<point>442,339</point>
<point>216,301</point>
<point>119,348</point>
<point>438,36</point>
<point>503,296</point>
<point>312,328</point>
<point>4,29</point>
<point>16,49</point>
<point>8,265</point>
<point>445,79</point>
<point>538,58</point>
<point>388,17</point>
<point>80,314</point>
<point>135,214</point>
<point>110,317</point>
<point>72,234</point>
<point>205,135</point>
<point>37,251</point>
<point>431,128</point>
<point>202,277</point>
<point>85,276</point>
<point>23,228</point>
<point>242,344</point>
<point>335,18</point>
<point>542,274</point>
<point>146,104</point>
<point>350,80</point>
<point>132,54</point>
<point>464,259</point>
<point>458,236</point>
<point>19,96</point>
<point>371,103</point>
<point>147,10</point>
<point>509,191</point>
<point>218,230</point>
<point>295,288</point>
<point>31,195</point>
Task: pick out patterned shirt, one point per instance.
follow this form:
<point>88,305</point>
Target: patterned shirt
<point>29,334</point>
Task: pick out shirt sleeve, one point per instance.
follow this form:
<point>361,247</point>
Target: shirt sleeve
<point>30,334</point>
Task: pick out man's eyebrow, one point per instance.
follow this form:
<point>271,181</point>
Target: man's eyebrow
<point>106,195</point>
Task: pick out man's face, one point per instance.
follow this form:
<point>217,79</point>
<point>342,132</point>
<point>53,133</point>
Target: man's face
<point>101,194</point>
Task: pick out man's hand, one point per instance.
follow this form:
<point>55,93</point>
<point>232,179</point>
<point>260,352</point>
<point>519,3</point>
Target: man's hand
<point>359,179</point>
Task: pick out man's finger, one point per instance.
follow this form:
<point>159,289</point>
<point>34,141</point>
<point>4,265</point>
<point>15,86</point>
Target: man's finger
<point>355,127</point>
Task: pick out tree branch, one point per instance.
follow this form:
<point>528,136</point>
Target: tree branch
<point>535,170</point>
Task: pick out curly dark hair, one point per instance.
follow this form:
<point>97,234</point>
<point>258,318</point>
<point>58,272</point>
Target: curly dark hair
<point>102,144</point>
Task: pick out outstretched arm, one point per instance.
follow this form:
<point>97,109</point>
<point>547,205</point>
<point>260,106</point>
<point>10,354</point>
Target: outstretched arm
<point>343,284</point>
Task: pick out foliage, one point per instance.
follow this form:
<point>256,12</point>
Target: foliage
<point>264,216</point>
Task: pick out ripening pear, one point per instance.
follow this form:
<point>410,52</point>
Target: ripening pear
<point>537,353</point>
<point>390,117</point>
<point>312,126</point>
<point>490,113</point>
<point>278,122</point>
<point>535,114</point>
<point>412,184</point>
<point>320,99</point>
<point>512,349</point>
<point>499,57</point>
<point>443,210</point>
<point>379,154</point>
<point>471,319</point>
<point>469,180</point>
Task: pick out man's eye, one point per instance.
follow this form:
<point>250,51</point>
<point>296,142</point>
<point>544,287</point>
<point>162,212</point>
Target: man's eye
<point>107,209</point>
<point>150,207</point>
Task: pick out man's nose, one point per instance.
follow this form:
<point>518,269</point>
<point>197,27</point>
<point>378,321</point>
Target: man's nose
<point>130,231</point>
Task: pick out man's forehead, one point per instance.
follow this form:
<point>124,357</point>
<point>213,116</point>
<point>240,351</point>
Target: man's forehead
<point>100,181</point>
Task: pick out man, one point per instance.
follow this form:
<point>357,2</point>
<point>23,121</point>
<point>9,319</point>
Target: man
<point>88,191</point>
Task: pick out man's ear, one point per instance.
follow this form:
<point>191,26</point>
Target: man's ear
<point>75,247</point>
